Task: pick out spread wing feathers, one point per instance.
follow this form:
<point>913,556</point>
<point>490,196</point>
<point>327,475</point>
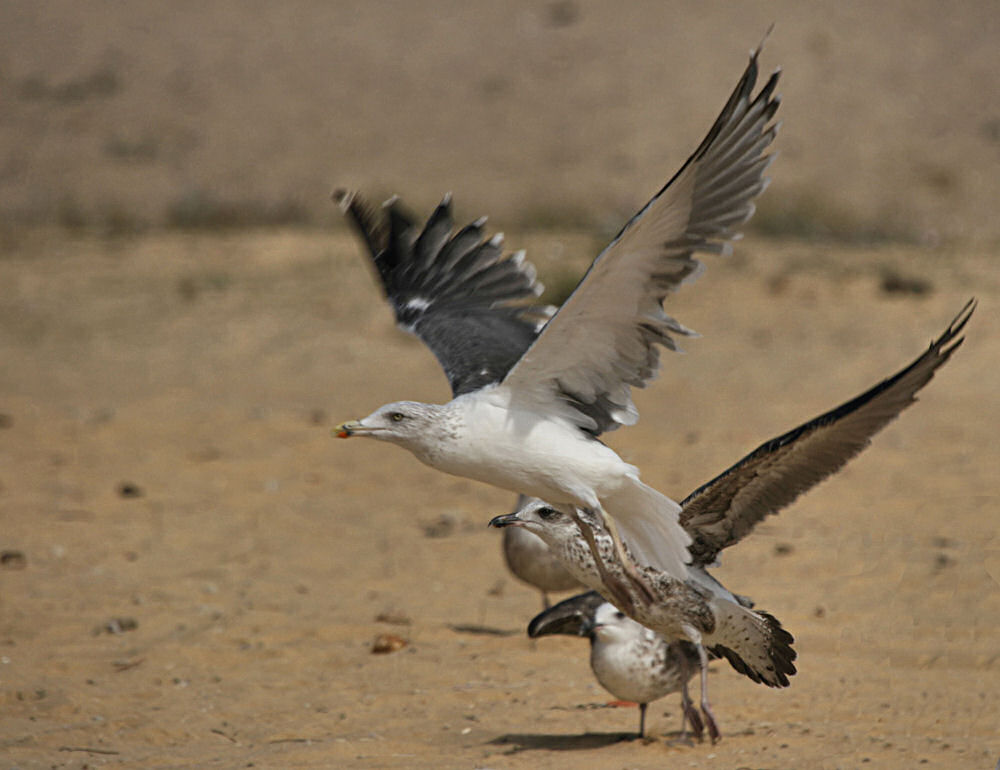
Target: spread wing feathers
<point>755,644</point>
<point>728,507</point>
<point>605,338</point>
<point>570,617</point>
<point>454,291</point>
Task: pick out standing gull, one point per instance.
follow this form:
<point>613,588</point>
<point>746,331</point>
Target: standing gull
<point>530,560</point>
<point>629,660</point>
<point>526,416</point>
<point>724,510</point>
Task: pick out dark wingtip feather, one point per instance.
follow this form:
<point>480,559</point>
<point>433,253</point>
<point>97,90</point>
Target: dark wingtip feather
<point>767,33</point>
<point>954,329</point>
<point>364,216</point>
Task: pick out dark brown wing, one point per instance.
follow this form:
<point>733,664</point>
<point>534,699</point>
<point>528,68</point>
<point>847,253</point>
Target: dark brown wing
<point>728,507</point>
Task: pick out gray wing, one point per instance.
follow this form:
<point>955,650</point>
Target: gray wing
<point>454,291</point>
<point>728,507</point>
<point>605,338</point>
<point>570,617</point>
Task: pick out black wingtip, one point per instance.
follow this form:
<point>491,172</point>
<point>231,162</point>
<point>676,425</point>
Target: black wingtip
<point>363,216</point>
<point>945,345</point>
<point>760,46</point>
<point>959,322</point>
<point>342,197</point>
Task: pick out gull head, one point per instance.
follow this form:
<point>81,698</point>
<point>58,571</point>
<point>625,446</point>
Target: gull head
<point>610,625</point>
<point>407,423</point>
<point>549,523</point>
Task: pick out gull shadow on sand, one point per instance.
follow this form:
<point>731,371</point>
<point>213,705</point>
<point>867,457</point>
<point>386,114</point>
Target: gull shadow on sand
<point>519,742</point>
<point>480,630</point>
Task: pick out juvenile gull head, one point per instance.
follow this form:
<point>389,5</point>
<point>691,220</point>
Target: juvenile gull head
<point>531,561</point>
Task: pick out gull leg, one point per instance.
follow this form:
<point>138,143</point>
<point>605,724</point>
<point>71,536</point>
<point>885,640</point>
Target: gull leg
<point>689,715</point>
<point>615,586</point>
<point>642,720</point>
<point>706,709</point>
<point>627,563</point>
<point>545,600</point>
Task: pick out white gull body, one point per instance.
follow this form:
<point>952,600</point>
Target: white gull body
<point>486,435</point>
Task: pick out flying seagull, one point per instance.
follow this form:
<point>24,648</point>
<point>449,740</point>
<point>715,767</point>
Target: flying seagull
<point>724,510</point>
<point>529,403</point>
<point>629,660</point>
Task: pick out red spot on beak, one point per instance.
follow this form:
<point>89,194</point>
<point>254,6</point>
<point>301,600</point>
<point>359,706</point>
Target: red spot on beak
<point>343,434</point>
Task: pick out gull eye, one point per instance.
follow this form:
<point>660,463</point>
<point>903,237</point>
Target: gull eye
<point>548,514</point>
<point>619,616</point>
<point>397,416</point>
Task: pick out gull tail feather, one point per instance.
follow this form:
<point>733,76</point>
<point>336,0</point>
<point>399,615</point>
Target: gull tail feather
<point>647,522</point>
<point>754,642</point>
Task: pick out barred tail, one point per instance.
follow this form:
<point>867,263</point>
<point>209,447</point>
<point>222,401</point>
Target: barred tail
<point>754,643</point>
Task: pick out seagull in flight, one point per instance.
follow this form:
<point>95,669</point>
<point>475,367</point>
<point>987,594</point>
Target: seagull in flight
<point>724,510</point>
<point>530,399</point>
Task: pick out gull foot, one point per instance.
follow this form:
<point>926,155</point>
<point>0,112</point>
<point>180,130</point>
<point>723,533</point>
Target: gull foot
<point>713,728</point>
<point>693,718</point>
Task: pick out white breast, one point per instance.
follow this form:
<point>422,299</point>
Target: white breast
<point>540,455</point>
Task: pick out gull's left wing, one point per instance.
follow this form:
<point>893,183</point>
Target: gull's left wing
<point>455,291</point>
<point>605,338</point>
<point>728,507</point>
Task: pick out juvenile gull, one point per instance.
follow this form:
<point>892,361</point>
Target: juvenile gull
<point>530,560</point>
<point>527,409</point>
<point>722,512</point>
<point>629,660</point>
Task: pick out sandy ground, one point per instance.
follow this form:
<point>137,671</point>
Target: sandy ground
<point>167,459</point>
<point>193,572</point>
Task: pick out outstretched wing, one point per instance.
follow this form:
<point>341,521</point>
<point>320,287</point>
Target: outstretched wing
<point>724,510</point>
<point>571,617</point>
<point>606,337</point>
<point>454,291</point>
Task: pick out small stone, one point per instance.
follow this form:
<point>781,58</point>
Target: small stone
<point>386,643</point>
<point>117,626</point>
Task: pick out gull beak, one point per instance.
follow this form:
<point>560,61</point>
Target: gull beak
<point>348,429</point>
<point>507,520</point>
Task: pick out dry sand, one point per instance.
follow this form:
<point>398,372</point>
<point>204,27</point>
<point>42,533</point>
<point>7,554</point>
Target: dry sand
<point>258,553</point>
<point>203,571</point>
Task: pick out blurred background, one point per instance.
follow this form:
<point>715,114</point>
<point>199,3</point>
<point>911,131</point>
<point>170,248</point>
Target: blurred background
<point>123,116</point>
